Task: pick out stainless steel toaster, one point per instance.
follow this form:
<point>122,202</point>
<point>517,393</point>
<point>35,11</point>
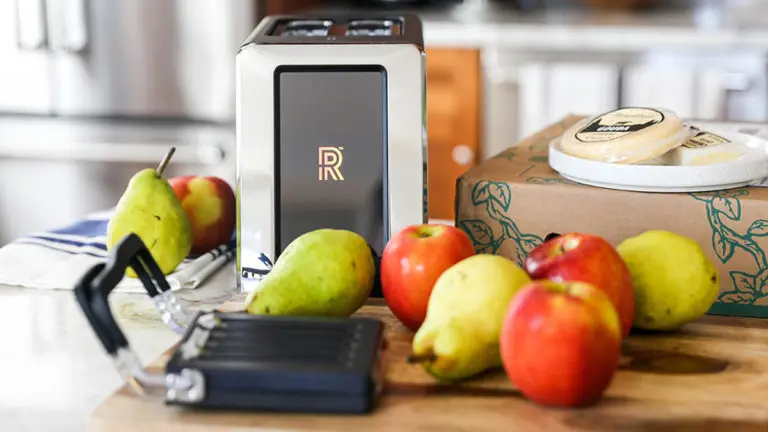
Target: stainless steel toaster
<point>331,132</point>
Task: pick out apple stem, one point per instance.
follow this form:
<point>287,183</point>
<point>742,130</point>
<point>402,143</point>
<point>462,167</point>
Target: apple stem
<point>164,163</point>
<point>424,358</point>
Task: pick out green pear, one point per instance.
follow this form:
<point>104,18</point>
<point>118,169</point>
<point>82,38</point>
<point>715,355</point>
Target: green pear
<point>460,334</point>
<point>325,272</point>
<point>150,209</point>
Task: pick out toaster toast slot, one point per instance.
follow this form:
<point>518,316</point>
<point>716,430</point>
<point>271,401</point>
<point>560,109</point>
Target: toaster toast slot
<point>373,27</point>
<point>307,28</point>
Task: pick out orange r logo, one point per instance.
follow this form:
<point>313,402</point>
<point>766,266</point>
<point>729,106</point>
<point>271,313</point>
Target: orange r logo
<point>329,163</point>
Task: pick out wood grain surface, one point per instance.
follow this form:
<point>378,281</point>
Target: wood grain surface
<point>711,375</point>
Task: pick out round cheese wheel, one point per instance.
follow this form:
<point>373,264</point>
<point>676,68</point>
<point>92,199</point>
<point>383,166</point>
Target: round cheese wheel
<point>627,135</point>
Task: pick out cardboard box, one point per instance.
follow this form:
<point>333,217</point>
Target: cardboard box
<point>510,202</point>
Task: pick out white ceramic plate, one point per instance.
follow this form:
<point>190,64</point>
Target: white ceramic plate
<point>749,168</point>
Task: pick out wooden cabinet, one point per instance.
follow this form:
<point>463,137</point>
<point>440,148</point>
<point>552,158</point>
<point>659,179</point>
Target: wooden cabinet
<point>453,123</point>
<point>278,7</point>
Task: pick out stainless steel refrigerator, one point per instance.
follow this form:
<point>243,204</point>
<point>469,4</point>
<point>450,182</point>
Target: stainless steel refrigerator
<point>91,91</point>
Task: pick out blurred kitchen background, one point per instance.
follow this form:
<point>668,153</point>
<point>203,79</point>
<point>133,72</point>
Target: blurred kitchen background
<point>92,91</point>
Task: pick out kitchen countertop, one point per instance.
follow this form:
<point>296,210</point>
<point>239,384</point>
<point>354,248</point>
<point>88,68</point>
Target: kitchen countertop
<point>54,374</point>
<point>53,370</point>
<point>689,25</point>
<point>709,375</point>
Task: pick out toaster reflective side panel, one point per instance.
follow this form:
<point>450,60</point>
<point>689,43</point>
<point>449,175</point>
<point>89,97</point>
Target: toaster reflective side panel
<point>263,209</point>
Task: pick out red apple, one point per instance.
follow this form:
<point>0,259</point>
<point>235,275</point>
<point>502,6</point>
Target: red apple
<point>587,258</point>
<point>411,263</point>
<point>209,204</point>
<point>560,343</point>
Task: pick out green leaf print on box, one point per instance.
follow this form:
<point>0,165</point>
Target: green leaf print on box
<point>496,198</point>
<point>722,208</point>
<point>513,153</point>
<point>549,180</point>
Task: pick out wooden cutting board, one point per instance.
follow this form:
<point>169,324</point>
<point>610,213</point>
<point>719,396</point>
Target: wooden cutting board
<point>712,375</point>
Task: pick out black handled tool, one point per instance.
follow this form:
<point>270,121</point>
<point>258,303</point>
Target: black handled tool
<point>237,360</point>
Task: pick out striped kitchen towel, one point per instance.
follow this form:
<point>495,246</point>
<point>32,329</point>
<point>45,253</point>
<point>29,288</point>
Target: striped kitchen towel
<point>58,258</point>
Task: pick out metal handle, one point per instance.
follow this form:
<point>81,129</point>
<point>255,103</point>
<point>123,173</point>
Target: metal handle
<point>68,23</point>
<point>31,31</point>
<point>732,82</point>
<point>716,88</point>
<point>92,292</point>
<point>105,152</point>
<point>736,81</point>
<point>76,28</point>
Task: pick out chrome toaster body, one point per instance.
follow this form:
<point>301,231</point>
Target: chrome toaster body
<point>331,132</point>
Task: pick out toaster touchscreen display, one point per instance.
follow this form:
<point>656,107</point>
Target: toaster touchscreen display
<point>330,152</point>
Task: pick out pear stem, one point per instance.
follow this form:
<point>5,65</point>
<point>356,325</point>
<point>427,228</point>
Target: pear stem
<point>164,163</point>
<point>413,358</point>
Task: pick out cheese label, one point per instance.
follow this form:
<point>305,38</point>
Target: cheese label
<point>705,139</point>
<point>619,123</point>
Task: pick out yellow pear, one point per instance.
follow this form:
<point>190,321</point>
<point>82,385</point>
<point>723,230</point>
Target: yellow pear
<point>460,334</point>
<point>674,280</point>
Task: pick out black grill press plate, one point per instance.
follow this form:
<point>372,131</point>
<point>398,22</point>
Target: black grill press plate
<point>237,360</point>
<point>282,363</point>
